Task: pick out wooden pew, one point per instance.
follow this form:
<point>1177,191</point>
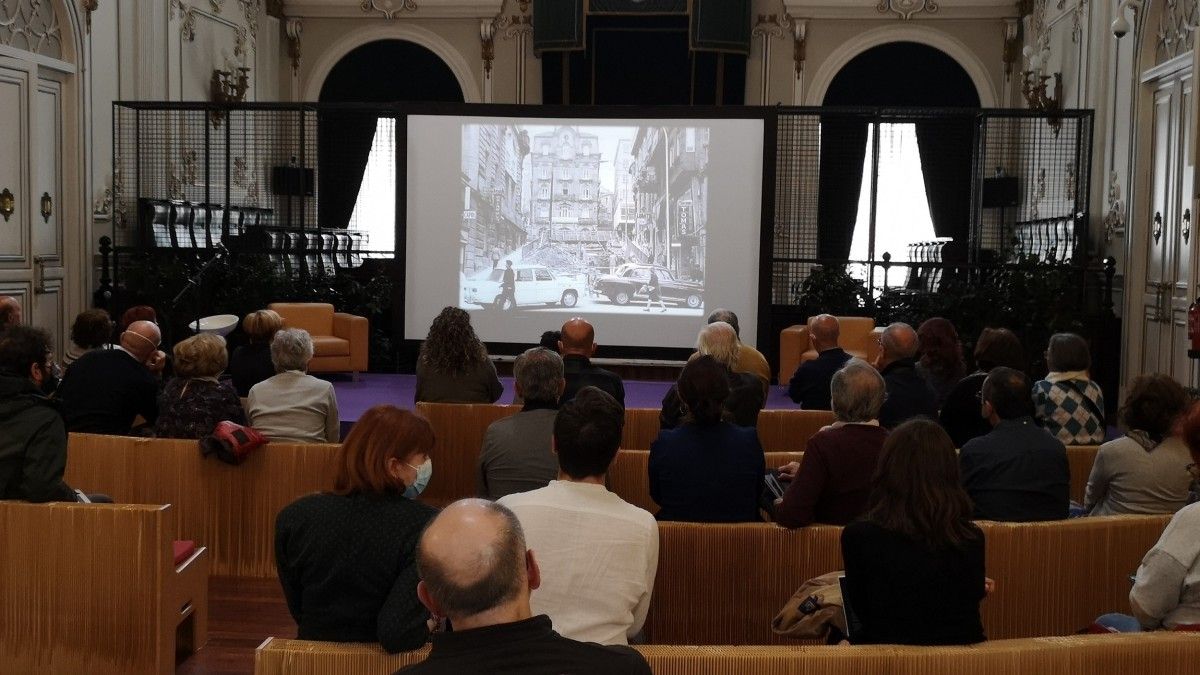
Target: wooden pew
<point>1092,654</point>
<point>629,477</point>
<point>722,584</point>
<point>229,509</point>
<point>1080,458</point>
<point>458,429</point>
<point>94,588</point>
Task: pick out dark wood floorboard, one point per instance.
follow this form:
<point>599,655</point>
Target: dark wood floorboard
<point>241,614</point>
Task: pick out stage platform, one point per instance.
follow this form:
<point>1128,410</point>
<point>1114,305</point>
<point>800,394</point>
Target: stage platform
<point>354,398</point>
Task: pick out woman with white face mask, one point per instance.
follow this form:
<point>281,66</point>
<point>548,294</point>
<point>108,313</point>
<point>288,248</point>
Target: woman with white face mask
<point>347,558</point>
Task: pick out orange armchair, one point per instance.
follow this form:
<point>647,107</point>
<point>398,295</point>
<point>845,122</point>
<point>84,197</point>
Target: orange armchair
<point>858,336</point>
<point>340,341</point>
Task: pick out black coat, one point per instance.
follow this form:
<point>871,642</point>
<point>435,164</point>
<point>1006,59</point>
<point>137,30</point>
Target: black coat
<point>33,445</point>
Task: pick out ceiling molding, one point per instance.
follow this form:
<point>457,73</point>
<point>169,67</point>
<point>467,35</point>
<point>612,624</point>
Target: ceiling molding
<point>865,9</point>
<point>426,9</point>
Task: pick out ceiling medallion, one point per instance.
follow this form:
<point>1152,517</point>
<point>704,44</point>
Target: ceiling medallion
<point>906,8</point>
<point>389,8</point>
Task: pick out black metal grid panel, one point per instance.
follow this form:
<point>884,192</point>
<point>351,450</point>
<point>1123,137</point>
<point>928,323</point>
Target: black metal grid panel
<point>797,181</point>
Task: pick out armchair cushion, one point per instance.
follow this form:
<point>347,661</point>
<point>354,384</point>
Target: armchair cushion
<point>327,345</point>
<point>314,317</point>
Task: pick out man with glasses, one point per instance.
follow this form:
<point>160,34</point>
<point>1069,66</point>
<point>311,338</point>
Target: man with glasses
<point>106,390</point>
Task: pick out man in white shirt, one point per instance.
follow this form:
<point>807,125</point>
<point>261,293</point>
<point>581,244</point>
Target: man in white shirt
<point>598,553</point>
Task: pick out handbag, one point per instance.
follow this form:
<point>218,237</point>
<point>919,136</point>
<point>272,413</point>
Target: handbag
<point>813,609</point>
<point>232,442</point>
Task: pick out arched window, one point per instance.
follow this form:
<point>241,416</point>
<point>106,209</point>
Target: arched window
<point>564,211</point>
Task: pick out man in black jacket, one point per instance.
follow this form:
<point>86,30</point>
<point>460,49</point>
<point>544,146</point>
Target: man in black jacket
<point>908,392</point>
<point>577,344</point>
<point>1018,472</point>
<point>105,390</point>
<point>477,572</point>
<point>33,445</point>
<point>809,386</point>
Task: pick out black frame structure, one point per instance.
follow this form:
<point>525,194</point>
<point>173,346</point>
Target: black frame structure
<point>1047,155</point>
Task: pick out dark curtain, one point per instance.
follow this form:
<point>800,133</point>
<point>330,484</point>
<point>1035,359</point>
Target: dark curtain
<point>843,149</point>
<point>344,146</point>
<point>946,149</point>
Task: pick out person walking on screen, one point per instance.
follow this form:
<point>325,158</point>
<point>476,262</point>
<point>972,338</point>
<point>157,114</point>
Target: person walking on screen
<point>652,292</point>
<point>508,298</point>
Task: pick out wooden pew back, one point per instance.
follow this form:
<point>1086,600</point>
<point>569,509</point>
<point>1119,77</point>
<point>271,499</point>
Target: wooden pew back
<point>629,475</point>
<point>1093,654</point>
<point>93,588</point>
<point>1080,458</point>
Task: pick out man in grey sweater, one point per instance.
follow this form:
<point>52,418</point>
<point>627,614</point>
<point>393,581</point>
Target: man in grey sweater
<point>517,454</point>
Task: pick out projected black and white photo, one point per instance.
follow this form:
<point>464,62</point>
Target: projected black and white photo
<point>592,218</point>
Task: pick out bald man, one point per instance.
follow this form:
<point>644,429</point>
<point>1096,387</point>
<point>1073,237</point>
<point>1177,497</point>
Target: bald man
<point>476,572</point>
<point>577,344</point>
<point>909,394</point>
<point>10,312</point>
<point>809,386</point>
<point>106,390</point>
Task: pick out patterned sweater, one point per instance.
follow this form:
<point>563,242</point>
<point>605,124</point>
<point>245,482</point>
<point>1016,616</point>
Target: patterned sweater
<point>1060,405</point>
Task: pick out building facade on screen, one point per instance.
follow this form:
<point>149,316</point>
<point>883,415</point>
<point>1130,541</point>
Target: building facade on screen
<point>671,196</point>
<point>494,220</point>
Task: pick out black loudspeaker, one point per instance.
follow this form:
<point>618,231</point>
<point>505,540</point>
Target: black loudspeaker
<point>999,193</point>
<point>292,181</point>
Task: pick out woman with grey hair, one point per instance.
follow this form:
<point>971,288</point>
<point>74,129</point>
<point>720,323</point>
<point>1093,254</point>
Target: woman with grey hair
<point>747,393</point>
<point>833,483</point>
<point>293,406</point>
<point>1068,403</point>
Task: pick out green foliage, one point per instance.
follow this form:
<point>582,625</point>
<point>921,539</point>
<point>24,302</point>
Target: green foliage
<point>831,290</point>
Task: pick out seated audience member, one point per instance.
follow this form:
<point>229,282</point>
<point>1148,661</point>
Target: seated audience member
<point>909,394</point>
<point>1143,471</point>
<point>10,313</point>
<point>453,365</point>
<point>91,330</point>
<point>550,340</point>
<point>135,314</point>
<point>1166,588</point>
<point>347,558</point>
<point>575,521</point>
<point>33,447</point>
<point>809,386</point>
<point>251,362</point>
<point>832,484</point>
<point>1068,403</point>
<point>960,409</point>
<point>293,406</point>
<point>1017,472</point>
<point>941,361</point>
<point>477,573</point>
<point>706,470</point>
<point>915,562</point>
<point>577,345</point>
<point>105,390</point>
<point>749,359</point>
<point>194,401</point>
<point>746,397</point>
<point>516,455</point>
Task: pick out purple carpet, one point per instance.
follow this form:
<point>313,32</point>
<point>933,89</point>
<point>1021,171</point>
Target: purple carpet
<point>373,389</point>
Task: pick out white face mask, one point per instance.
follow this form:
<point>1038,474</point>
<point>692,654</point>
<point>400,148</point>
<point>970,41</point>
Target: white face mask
<point>424,473</point>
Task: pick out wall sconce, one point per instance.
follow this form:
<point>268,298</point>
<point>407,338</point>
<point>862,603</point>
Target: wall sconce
<point>1035,88</point>
<point>90,6</point>
<point>47,206</point>
<point>8,204</point>
<point>228,89</point>
<point>1012,45</point>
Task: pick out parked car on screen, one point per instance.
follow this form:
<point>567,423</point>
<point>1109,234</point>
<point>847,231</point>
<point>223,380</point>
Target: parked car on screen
<point>535,285</point>
<point>628,282</point>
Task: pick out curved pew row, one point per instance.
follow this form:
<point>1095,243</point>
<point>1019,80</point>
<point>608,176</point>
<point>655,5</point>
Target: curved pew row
<point>1093,654</point>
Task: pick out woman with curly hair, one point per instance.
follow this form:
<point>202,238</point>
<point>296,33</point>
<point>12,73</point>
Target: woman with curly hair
<point>453,366</point>
<point>941,362</point>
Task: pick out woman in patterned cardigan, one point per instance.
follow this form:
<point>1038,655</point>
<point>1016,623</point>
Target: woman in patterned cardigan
<point>1068,403</point>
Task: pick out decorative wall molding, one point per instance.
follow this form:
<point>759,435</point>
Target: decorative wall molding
<point>293,29</point>
<point>1114,219</point>
<point>425,9</point>
<point>518,27</point>
<point>390,9</point>
<point>768,27</point>
<point>32,26</point>
<point>907,8</point>
<point>187,29</point>
<point>1176,25</point>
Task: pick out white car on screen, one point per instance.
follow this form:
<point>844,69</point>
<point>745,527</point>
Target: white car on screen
<point>535,285</point>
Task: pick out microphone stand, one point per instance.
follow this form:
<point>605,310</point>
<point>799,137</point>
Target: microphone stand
<point>193,283</point>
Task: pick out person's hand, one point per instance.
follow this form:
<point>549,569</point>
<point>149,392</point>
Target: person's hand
<point>789,470</point>
<point>989,585</point>
<point>156,362</point>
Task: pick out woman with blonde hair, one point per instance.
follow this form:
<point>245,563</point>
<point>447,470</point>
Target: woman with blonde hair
<point>251,363</point>
<point>194,401</point>
<point>347,558</point>
<point>453,365</point>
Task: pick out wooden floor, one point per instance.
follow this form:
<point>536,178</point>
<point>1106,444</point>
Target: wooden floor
<point>241,614</point>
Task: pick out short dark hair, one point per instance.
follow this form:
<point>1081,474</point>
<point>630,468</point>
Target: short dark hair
<point>703,387</point>
<point>587,433</point>
<point>92,328</point>
<point>497,585</point>
<point>1009,392</point>
<point>1154,404</point>
<point>726,316</point>
<point>550,340</point>
<point>21,347</point>
<point>1067,352</point>
<point>999,347</point>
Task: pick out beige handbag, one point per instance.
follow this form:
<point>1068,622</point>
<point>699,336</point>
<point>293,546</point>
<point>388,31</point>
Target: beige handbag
<point>813,609</point>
